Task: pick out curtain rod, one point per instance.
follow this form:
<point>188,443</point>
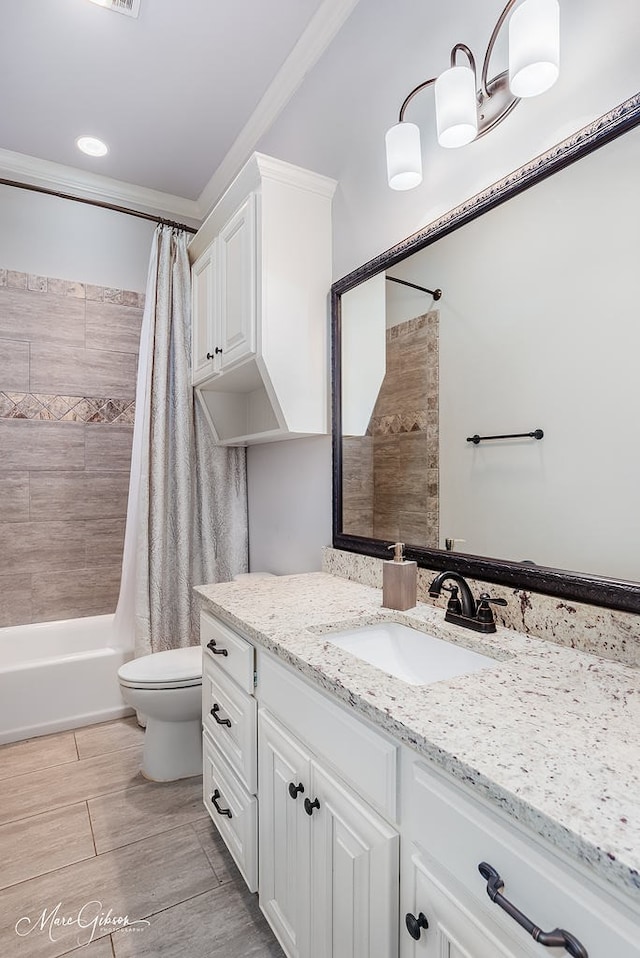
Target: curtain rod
<point>98,203</point>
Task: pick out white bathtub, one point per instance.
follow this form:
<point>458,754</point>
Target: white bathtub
<point>59,675</point>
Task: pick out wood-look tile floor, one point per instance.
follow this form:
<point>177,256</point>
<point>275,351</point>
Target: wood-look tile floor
<point>85,840</point>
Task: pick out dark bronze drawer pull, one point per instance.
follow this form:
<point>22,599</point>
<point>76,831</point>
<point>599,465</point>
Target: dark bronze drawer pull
<point>221,811</point>
<point>214,712</point>
<point>295,789</point>
<point>558,938</point>
<point>212,648</point>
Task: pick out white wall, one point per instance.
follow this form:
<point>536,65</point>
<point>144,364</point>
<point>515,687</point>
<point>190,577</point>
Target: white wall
<point>289,505</point>
<point>53,237</point>
<point>335,125</point>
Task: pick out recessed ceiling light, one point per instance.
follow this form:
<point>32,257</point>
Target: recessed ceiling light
<point>92,146</point>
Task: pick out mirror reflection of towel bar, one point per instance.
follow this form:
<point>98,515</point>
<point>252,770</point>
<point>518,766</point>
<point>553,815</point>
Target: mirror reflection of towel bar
<point>536,434</point>
<point>436,293</point>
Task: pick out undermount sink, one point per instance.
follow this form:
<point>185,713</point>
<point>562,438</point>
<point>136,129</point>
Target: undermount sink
<point>413,656</point>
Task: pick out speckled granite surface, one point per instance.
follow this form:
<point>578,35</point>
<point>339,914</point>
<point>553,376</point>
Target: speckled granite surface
<point>550,735</point>
<point>604,632</point>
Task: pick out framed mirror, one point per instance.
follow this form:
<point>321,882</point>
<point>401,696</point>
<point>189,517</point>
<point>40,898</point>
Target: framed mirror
<point>486,380</point>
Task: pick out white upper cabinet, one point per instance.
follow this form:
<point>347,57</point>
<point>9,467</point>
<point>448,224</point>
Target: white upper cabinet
<point>237,264</point>
<point>261,266</point>
<point>203,311</point>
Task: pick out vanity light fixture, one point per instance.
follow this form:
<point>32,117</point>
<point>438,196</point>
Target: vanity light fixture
<point>92,146</point>
<point>464,112</point>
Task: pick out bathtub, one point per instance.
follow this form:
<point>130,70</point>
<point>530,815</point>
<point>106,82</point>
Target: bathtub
<point>59,675</point>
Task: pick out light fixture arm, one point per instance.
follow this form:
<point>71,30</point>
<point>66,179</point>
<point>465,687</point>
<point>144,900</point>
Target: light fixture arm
<point>492,42</point>
<point>409,98</point>
<point>463,48</point>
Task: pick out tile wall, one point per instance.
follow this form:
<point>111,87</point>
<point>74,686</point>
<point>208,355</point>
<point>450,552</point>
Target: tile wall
<point>68,360</point>
<point>391,475</point>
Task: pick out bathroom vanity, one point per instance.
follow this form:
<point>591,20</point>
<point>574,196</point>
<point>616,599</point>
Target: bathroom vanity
<point>360,806</point>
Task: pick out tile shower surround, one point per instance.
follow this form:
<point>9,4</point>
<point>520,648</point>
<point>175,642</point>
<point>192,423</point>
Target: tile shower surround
<point>397,461</point>
<point>68,359</point>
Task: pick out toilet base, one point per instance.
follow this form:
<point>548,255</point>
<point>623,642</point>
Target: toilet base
<point>172,750</point>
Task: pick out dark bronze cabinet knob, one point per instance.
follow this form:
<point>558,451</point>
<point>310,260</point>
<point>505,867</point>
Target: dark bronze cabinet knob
<point>309,806</point>
<point>295,789</point>
<point>415,925</point>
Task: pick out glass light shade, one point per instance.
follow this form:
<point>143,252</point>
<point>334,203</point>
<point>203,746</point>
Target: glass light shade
<point>456,107</point>
<point>534,47</point>
<point>404,156</point>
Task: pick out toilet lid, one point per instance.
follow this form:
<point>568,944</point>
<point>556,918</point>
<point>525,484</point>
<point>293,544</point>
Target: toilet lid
<point>173,667</point>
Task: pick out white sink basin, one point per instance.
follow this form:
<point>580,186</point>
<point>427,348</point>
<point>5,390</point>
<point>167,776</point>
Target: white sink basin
<point>410,655</point>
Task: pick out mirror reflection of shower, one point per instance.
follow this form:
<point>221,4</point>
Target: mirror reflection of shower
<point>391,425</point>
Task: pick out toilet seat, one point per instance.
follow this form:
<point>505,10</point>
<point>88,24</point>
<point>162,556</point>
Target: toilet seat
<point>173,669</point>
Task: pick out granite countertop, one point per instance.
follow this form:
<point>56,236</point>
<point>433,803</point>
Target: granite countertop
<point>550,734</point>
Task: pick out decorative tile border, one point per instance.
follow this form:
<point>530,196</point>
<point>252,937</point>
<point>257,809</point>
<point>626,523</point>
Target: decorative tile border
<point>416,421</point>
<point>13,279</point>
<point>66,408</point>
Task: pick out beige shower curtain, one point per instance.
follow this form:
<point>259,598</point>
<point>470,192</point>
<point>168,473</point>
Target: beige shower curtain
<point>187,518</point>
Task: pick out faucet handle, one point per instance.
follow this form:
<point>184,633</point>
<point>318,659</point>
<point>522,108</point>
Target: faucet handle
<point>453,605</point>
<point>484,612</point>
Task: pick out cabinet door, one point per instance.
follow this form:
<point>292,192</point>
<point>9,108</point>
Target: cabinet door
<point>237,284</point>
<point>454,930</point>
<point>284,835</point>
<point>354,875</point>
<point>203,315</point>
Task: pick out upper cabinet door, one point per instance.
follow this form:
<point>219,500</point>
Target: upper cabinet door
<point>203,308</point>
<point>237,286</point>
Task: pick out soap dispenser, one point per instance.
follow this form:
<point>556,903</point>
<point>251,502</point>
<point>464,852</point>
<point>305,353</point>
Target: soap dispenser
<point>399,581</point>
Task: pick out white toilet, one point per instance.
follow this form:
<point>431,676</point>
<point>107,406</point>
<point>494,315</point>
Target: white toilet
<point>166,687</point>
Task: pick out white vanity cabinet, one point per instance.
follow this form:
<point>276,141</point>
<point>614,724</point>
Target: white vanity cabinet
<point>326,783</point>
<point>328,861</point>
<point>346,833</point>
<point>230,742</point>
<point>261,274</point>
<point>446,835</point>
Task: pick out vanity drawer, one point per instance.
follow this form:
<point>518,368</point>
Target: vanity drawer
<point>236,814</point>
<point>362,757</point>
<point>458,833</point>
<point>230,717</point>
<point>233,654</point>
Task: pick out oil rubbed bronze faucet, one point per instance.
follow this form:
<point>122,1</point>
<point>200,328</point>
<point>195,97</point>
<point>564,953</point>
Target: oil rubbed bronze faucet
<point>462,608</point>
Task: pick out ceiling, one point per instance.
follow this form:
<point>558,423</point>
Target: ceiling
<point>170,92</point>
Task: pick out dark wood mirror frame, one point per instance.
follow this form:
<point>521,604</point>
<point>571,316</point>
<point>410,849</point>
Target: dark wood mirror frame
<point>575,586</point>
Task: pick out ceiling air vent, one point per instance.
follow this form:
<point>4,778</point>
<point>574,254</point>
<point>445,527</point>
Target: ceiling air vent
<point>130,8</point>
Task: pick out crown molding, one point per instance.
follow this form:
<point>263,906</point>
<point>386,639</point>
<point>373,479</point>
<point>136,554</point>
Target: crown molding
<point>67,179</point>
<point>321,30</point>
<point>282,172</point>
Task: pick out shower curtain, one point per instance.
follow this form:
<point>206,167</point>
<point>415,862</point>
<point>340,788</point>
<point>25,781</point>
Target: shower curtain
<point>187,512</point>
